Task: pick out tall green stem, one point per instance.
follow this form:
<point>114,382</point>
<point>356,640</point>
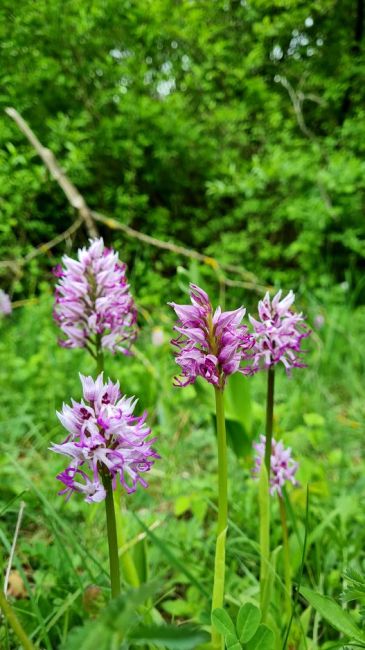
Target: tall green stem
<point>112,537</point>
<point>269,417</point>
<point>220,551</point>
<point>286,556</point>
<point>99,360</point>
<point>264,499</point>
<point>109,504</point>
<point>114,519</point>
<point>264,512</point>
<point>14,622</point>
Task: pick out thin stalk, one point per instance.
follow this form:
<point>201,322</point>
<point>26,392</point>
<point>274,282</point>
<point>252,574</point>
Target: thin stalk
<point>109,504</point>
<point>264,512</point>
<point>286,556</point>
<point>99,360</point>
<point>220,551</point>
<point>264,499</point>
<point>14,622</point>
<point>12,550</point>
<point>112,537</point>
<point>114,517</point>
<point>269,417</point>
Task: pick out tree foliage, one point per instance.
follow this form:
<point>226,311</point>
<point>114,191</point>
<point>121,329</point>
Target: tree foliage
<point>235,127</point>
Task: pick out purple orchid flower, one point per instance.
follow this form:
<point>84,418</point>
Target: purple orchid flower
<point>105,440</point>
<point>283,467</point>
<point>210,344</point>
<point>278,334</point>
<point>93,301</point>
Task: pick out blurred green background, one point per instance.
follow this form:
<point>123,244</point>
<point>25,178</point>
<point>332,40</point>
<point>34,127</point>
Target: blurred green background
<point>234,127</point>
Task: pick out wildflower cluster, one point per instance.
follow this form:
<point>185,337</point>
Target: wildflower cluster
<point>93,305</point>
<point>283,467</point>
<point>210,345</point>
<point>278,334</point>
<point>105,441</point>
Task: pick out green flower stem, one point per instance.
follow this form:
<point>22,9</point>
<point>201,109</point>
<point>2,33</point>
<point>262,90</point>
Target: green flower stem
<point>114,518</point>
<point>14,622</point>
<point>220,552</point>
<point>129,570</point>
<point>264,513</point>
<point>112,537</point>
<point>269,418</point>
<point>99,360</point>
<point>264,500</point>
<point>109,504</point>
<point>286,556</point>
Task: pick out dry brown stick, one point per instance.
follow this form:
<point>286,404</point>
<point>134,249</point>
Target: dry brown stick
<point>17,264</point>
<point>90,216</point>
<point>251,282</point>
<point>297,99</point>
<point>43,248</point>
<point>159,243</point>
<point>12,550</point>
<point>73,195</point>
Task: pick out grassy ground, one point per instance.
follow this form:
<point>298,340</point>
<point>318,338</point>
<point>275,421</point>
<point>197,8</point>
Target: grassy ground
<point>61,549</point>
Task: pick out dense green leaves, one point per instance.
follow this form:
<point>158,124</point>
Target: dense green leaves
<point>234,127</point>
<point>247,634</point>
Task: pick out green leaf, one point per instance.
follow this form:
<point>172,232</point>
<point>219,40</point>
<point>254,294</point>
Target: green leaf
<point>264,508</point>
<point>184,637</point>
<point>237,438</point>
<point>238,403</point>
<point>223,622</point>
<point>166,551</point>
<point>355,588</point>
<point>140,560</point>
<point>238,411</point>
<point>182,504</point>
<point>313,419</point>
<point>248,620</point>
<point>178,607</point>
<point>262,640</point>
<point>88,637</point>
<point>232,642</point>
<point>334,614</point>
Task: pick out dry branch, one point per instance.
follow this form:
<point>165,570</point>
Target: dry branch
<point>249,280</point>
<point>17,264</point>
<point>297,98</point>
<point>12,550</point>
<point>73,195</point>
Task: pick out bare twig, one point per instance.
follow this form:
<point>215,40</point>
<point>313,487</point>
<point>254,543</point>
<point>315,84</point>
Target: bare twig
<point>88,216</point>
<point>251,280</point>
<point>12,550</point>
<point>297,101</point>
<point>297,98</point>
<point>43,248</point>
<point>73,195</point>
<point>17,264</point>
<point>147,239</point>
